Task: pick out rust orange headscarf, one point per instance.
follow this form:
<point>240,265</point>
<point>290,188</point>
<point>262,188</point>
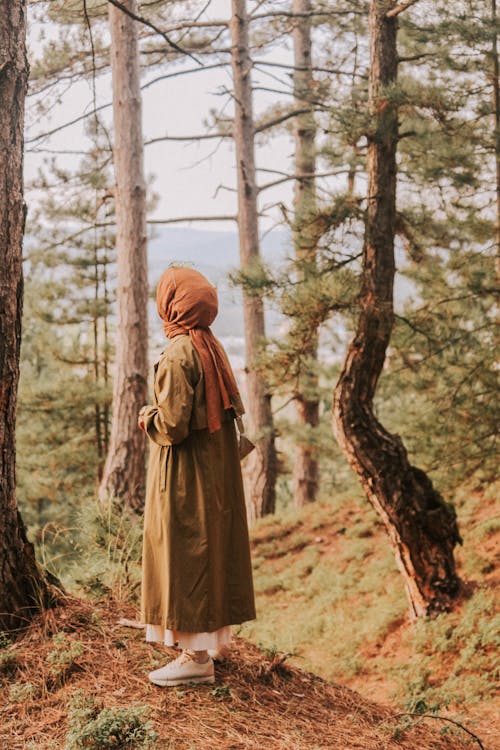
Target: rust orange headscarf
<point>187,303</point>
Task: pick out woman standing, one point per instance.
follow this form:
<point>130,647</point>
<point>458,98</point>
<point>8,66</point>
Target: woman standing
<point>196,570</point>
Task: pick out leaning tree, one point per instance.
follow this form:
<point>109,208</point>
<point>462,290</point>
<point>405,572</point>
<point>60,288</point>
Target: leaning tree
<point>422,528</point>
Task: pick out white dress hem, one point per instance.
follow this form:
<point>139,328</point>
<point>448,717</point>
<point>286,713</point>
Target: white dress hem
<point>195,641</point>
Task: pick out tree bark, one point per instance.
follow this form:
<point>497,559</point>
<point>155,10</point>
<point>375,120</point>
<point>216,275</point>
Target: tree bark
<point>124,470</point>
<point>495,70</point>
<point>24,589</point>
<point>422,528</point>
<point>305,467</point>
<point>261,466</point>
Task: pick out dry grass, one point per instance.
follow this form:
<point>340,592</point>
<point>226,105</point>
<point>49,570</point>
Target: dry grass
<point>257,702</point>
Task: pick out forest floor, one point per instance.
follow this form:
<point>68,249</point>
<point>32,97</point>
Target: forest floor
<point>329,593</point>
<point>77,679</point>
<point>329,598</point>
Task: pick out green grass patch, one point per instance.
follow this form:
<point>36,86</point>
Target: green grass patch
<point>329,592</point>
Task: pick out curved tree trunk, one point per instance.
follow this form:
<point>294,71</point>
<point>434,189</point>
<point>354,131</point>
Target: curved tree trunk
<point>124,470</point>
<point>305,467</point>
<point>422,528</point>
<point>261,465</point>
<point>23,586</point>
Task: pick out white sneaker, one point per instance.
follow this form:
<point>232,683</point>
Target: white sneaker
<point>183,670</point>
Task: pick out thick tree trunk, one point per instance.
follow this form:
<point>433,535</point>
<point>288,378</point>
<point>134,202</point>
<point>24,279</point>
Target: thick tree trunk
<point>23,587</point>
<point>261,466</point>
<point>124,471</point>
<point>422,528</point>
<point>305,467</point>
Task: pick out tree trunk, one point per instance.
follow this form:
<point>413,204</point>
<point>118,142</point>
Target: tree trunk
<point>422,528</point>
<point>261,466</point>
<point>496,120</point>
<point>305,467</point>
<point>124,471</point>
<point>97,408</point>
<point>23,587</point>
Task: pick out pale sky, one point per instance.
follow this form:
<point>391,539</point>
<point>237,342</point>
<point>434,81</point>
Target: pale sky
<point>186,175</point>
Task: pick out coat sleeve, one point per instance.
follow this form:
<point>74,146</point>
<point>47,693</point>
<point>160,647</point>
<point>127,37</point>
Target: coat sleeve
<point>167,423</point>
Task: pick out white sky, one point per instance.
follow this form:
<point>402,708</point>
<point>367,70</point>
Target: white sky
<point>186,175</point>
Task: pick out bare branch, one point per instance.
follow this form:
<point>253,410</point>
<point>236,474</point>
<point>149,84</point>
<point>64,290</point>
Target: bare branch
<point>319,105</point>
<point>199,137</point>
<point>413,58</point>
<point>309,14</point>
<point>205,50</point>
<point>393,12</point>
<point>282,118</point>
<point>198,25</point>
<point>180,219</point>
<point>178,73</point>
<point>302,176</point>
<point>145,22</point>
<point>334,71</point>
<point>68,124</point>
<point>445,718</point>
<point>93,111</point>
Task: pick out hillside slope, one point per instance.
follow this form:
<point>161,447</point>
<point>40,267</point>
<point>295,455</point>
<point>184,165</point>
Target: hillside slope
<point>328,591</point>
<point>257,702</point>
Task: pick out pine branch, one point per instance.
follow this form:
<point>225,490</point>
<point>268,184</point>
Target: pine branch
<point>145,22</point>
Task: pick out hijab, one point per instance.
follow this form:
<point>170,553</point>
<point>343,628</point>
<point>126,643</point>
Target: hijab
<point>187,303</point>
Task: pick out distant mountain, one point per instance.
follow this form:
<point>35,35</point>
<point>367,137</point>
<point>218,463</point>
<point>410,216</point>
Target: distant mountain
<point>215,254</point>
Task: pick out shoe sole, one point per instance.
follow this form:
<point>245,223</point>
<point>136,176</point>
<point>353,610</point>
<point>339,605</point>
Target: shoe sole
<point>210,679</point>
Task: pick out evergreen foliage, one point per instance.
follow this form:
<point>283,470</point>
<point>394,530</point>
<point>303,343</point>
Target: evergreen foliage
<point>66,356</point>
<point>94,727</point>
<point>439,389</point>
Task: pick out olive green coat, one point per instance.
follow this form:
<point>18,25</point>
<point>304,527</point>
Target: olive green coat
<point>196,571</point>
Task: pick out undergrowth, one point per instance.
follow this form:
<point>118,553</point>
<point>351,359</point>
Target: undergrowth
<point>329,592</point>
<point>92,727</point>
<point>108,552</point>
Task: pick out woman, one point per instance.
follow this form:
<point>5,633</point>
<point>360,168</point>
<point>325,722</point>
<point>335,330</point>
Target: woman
<point>196,571</point>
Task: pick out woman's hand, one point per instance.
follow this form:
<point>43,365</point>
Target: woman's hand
<point>140,420</point>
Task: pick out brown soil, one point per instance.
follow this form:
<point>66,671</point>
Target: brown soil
<point>257,702</point>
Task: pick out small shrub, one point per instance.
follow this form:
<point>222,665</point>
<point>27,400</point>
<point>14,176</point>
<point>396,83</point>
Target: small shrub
<point>8,663</point>
<point>110,548</point>
<point>62,659</point>
<point>92,727</point>
<point>20,693</point>
<point>221,691</point>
